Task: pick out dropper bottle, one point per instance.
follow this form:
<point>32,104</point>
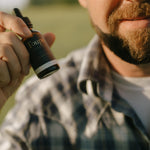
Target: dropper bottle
<point>41,58</point>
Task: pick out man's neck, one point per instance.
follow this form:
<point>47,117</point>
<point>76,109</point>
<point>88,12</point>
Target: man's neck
<point>124,68</point>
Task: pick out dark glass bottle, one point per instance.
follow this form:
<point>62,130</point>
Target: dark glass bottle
<point>41,58</point>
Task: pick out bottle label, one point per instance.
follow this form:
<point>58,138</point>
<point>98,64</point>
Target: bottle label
<point>35,44</point>
<point>39,51</point>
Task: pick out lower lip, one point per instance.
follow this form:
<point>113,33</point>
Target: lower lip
<point>135,24</point>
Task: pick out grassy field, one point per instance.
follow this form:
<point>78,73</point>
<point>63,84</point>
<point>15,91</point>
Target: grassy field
<point>71,26</point>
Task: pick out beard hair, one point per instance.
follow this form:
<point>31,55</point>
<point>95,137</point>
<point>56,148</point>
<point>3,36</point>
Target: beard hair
<point>139,45</point>
<point>133,47</point>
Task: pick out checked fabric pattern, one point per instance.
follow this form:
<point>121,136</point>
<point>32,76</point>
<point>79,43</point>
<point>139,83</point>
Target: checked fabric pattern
<point>77,108</point>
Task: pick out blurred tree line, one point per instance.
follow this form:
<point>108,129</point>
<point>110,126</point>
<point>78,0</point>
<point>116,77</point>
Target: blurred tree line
<point>42,2</point>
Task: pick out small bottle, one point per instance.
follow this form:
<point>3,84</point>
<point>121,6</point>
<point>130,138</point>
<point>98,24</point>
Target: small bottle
<point>41,58</point>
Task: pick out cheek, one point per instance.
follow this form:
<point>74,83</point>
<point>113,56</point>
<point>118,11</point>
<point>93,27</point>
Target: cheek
<point>100,10</point>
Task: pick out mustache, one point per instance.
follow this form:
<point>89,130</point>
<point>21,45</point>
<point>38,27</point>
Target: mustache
<point>133,11</point>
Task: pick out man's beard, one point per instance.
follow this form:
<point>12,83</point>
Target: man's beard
<point>133,46</point>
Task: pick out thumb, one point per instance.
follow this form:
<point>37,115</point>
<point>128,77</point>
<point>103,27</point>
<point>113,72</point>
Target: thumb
<point>50,38</point>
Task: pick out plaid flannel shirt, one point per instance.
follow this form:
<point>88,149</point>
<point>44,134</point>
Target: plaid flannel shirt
<point>77,108</point>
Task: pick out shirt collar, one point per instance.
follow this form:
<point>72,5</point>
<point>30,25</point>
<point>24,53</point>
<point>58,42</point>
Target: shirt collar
<point>95,79</point>
<point>94,76</point>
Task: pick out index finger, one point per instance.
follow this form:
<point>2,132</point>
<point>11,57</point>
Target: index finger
<point>14,24</point>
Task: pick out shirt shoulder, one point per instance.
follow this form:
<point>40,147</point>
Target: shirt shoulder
<point>55,89</point>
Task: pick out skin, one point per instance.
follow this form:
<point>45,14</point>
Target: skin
<point>99,11</point>
<point>14,57</point>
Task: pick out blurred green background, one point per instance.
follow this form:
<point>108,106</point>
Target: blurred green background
<point>67,20</point>
<point>43,2</point>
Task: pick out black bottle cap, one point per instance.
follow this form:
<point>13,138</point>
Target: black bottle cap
<point>25,19</point>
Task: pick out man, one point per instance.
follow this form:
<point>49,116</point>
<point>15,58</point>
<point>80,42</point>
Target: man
<point>100,97</point>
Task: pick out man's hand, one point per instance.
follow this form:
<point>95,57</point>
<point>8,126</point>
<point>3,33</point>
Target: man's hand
<point>14,57</point>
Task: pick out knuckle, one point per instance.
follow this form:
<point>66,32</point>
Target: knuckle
<point>5,49</point>
<point>7,38</point>
<point>18,21</point>
<point>10,36</point>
